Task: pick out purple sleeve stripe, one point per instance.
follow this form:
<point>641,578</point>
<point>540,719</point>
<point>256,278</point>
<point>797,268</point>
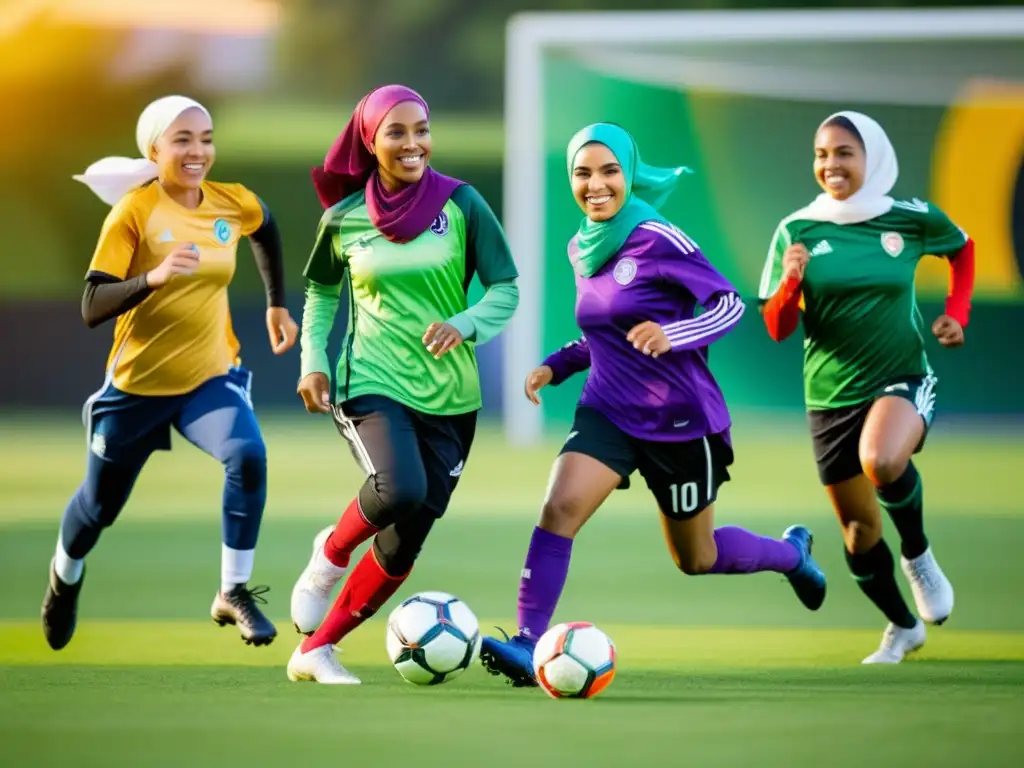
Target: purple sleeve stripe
<point>720,308</point>
<point>722,324</point>
<point>670,233</point>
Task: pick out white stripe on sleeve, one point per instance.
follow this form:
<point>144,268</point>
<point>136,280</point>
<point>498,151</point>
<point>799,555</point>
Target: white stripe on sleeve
<point>714,322</point>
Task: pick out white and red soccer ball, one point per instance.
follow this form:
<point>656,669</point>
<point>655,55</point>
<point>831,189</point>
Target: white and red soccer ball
<point>574,660</point>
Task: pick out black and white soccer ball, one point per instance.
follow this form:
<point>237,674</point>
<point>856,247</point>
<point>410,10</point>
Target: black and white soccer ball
<point>432,637</point>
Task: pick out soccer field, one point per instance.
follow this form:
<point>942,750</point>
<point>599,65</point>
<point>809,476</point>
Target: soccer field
<point>713,671</point>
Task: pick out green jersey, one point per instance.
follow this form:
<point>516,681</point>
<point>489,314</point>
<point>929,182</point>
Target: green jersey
<point>395,291</point>
<point>861,324</point>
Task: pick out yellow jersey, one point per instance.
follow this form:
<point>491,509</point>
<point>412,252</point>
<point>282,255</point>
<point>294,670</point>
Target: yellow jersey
<point>179,336</point>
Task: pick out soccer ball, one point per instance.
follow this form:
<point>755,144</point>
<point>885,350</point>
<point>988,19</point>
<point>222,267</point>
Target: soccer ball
<point>432,637</point>
<point>575,660</point>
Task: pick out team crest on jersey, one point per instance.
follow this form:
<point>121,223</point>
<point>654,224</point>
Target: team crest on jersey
<point>440,225</point>
<point>892,242</point>
<point>222,231</point>
<point>625,271</point>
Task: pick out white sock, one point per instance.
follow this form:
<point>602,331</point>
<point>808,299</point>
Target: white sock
<point>68,569</point>
<point>323,565</point>
<point>235,567</point>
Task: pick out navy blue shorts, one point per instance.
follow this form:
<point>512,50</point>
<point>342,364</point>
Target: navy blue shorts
<point>216,416</point>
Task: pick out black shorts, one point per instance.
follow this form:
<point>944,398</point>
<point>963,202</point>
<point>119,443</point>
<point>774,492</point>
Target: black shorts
<point>684,477</point>
<point>401,446</point>
<point>835,432</point>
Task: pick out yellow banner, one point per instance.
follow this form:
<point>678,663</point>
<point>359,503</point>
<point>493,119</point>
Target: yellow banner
<point>978,156</point>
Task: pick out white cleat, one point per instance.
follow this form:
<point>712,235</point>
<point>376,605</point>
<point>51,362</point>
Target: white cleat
<point>311,596</point>
<point>319,666</point>
<point>897,643</point>
<point>933,594</point>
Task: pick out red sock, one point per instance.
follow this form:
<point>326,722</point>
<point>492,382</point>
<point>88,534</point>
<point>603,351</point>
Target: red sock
<point>367,588</point>
<point>351,531</point>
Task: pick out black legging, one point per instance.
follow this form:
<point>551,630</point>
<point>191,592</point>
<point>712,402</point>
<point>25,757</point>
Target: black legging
<point>413,463</point>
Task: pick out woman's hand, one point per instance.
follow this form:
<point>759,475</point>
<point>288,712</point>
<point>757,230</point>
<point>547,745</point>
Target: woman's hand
<point>441,338</point>
<point>536,380</point>
<point>948,331</point>
<point>315,391</point>
<point>180,261</point>
<point>281,329</point>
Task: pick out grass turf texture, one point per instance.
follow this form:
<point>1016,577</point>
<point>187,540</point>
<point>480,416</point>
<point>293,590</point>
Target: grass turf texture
<point>713,671</point>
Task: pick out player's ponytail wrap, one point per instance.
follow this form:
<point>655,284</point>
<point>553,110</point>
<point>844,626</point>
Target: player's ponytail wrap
<point>113,177</point>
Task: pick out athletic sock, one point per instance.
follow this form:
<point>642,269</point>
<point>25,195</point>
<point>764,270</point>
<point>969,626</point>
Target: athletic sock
<point>235,567</point>
<point>542,581</point>
<point>904,501</point>
<point>366,589</point>
<point>874,572</point>
<point>351,531</point>
<point>68,569</point>
<point>740,551</point>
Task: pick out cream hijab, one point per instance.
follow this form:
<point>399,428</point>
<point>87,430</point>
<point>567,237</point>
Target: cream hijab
<point>113,177</point>
<point>880,174</point>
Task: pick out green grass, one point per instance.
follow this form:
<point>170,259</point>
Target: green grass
<point>713,671</point>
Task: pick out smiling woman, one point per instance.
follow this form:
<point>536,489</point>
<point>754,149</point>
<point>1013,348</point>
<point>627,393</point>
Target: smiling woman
<point>597,182</point>
<point>848,262</point>
<point>406,241</point>
<point>650,403</point>
<point>162,266</point>
<point>403,145</point>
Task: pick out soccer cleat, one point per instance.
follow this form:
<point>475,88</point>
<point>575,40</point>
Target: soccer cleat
<point>60,610</point>
<point>512,658</point>
<point>311,596</point>
<point>319,666</point>
<point>933,594</point>
<point>897,642</point>
<point>807,579</point>
<point>239,607</point>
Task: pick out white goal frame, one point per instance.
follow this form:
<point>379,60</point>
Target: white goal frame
<point>527,36</point>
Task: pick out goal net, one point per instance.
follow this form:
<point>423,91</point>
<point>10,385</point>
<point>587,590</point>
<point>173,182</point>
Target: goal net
<point>736,96</point>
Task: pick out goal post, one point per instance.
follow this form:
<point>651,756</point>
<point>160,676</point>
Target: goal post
<point>728,94</point>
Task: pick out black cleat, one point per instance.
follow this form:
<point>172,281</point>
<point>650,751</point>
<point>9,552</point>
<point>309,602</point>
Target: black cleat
<point>60,610</point>
<point>239,607</point>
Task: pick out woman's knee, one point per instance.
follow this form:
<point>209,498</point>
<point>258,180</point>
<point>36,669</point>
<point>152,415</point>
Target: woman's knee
<point>564,514</point>
<point>397,495</point>
<point>248,462</point>
<point>883,467</point>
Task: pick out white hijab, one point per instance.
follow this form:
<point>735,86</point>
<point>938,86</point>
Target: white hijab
<point>880,174</point>
<point>113,177</point>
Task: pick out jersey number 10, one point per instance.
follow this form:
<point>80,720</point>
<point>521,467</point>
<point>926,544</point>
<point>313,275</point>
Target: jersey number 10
<point>684,497</point>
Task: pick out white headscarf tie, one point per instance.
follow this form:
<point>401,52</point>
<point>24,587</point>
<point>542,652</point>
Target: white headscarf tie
<point>113,177</point>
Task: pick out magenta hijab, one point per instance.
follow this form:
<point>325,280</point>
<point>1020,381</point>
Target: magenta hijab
<point>350,165</point>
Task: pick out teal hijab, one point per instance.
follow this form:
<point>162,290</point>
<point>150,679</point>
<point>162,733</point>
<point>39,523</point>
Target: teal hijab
<point>647,189</point>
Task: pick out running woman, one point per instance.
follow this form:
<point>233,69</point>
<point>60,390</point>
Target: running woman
<point>165,257</point>
<point>650,402</point>
<point>848,261</point>
<point>406,241</point>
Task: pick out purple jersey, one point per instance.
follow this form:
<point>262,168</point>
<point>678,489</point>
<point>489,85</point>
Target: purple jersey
<point>659,274</point>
